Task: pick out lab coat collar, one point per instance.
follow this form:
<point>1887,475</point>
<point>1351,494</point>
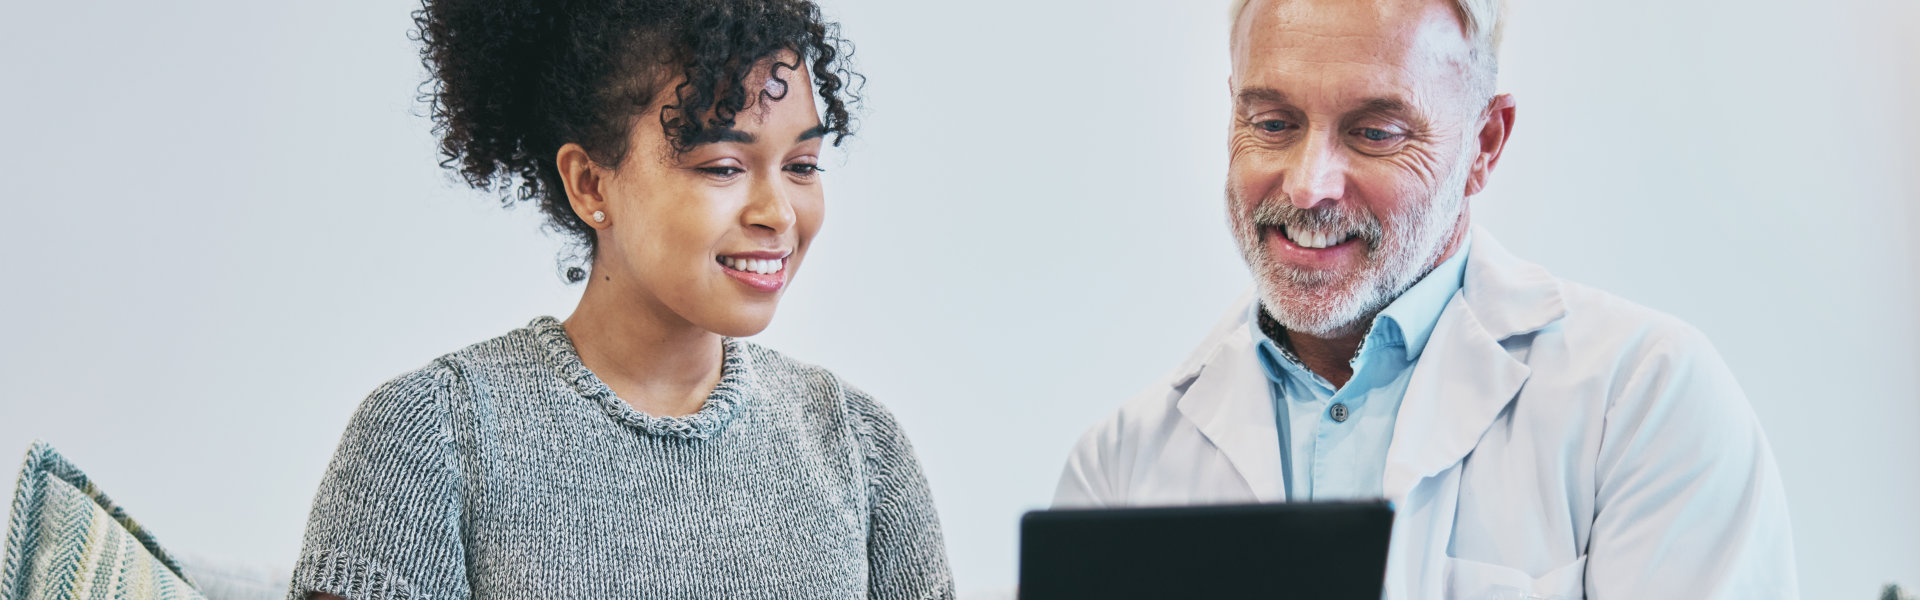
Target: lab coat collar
<point>1226,397</point>
<point>1466,378</point>
<point>1508,296</point>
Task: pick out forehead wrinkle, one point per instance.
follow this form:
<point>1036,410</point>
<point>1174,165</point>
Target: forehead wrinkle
<point>1421,59</point>
<point>1314,88</point>
<point>1429,28</point>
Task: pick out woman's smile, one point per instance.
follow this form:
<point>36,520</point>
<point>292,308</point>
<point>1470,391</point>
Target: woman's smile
<point>764,271</point>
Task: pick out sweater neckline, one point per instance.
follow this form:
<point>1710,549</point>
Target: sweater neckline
<point>706,423</point>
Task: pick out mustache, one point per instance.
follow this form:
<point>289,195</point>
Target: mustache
<point>1338,216</point>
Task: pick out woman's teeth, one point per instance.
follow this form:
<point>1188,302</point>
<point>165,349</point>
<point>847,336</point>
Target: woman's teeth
<point>1315,239</point>
<point>754,265</point>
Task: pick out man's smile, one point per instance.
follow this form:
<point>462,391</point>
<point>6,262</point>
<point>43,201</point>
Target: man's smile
<point>1314,250</point>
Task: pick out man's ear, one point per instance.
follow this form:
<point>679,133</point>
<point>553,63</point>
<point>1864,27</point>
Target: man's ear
<point>584,185</point>
<point>1496,125</point>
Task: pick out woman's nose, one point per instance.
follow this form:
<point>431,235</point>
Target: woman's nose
<point>769,206</point>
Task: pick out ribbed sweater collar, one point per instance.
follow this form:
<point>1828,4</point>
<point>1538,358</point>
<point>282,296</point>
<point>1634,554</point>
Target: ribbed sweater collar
<point>735,382</point>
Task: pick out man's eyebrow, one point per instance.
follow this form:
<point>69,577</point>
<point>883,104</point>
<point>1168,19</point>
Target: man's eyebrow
<point>1260,95</point>
<point>1384,105</point>
<point>818,131</point>
<point>717,135</point>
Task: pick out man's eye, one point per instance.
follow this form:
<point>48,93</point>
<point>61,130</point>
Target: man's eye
<point>1273,125</point>
<point>1375,135</point>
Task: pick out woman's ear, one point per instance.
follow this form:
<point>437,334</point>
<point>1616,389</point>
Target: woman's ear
<point>583,182</point>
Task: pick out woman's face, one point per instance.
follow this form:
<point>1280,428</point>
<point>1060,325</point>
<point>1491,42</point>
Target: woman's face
<point>713,236</point>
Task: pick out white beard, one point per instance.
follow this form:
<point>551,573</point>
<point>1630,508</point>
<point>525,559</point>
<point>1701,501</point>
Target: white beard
<point>1399,253</point>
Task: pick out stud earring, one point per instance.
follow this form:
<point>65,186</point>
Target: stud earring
<point>599,216</point>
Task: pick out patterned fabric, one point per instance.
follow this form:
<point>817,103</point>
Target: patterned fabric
<point>509,470</point>
<point>67,540</point>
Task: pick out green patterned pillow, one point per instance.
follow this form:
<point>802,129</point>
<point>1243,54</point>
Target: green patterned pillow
<point>66,540</point>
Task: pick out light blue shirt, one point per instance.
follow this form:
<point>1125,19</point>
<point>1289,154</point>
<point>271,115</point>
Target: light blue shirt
<point>1333,442</point>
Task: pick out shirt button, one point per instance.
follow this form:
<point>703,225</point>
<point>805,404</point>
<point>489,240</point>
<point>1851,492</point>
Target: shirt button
<point>1339,413</point>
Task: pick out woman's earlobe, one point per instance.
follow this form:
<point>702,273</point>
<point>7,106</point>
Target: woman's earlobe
<point>581,182</point>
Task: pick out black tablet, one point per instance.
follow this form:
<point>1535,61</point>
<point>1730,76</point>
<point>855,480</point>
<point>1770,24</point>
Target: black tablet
<point>1318,551</point>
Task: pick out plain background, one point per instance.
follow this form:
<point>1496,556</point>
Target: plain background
<point>224,224</point>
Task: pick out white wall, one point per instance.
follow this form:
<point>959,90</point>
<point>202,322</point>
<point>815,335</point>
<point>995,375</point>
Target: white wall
<point>224,225</point>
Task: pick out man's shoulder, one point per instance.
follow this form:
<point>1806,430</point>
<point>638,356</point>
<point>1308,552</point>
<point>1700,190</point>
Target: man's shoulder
<point>1626,356</point>
<point>1159,401</point>
<point>1519,301</point>
<point>1605,323</point>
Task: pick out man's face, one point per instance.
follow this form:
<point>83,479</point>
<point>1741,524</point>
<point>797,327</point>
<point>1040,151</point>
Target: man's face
<point>1355,130</point>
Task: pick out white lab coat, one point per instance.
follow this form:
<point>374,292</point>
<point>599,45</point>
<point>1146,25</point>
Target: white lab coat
<point>1555,442</point>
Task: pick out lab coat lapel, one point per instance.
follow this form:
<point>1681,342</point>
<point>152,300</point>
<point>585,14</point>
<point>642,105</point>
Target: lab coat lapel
<point>1463,381</point>
<point>1465,378</point>
<point>1229,402</point>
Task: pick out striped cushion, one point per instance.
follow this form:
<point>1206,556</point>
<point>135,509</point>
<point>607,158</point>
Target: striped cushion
<point>66,540</point>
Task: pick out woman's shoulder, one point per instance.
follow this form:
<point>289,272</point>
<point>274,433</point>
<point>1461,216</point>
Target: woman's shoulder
<point>414,401</point>
<point>518,348</point>
<point>785,375</point>
<point>445,378</point>
<point>824,390</point>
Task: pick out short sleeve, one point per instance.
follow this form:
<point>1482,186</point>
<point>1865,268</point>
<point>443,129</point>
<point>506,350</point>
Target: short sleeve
<point>386,520</point>
<point>906,553</point>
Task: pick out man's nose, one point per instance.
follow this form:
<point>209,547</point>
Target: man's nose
<point>768,206</point>
<point>1318,174</point>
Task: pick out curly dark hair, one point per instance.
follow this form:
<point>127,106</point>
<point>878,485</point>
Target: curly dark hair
<point>514,80</point>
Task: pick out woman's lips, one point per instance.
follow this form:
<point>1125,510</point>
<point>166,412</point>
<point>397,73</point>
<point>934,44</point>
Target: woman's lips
<point>761,271</point>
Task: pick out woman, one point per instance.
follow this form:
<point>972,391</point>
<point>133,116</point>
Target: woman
<point>638,449</point>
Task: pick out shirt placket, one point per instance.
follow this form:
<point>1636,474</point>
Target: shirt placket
<point>1339,415</point>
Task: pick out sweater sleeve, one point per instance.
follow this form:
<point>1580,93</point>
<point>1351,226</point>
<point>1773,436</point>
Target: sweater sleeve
<point>906,553</point>
<point>386,520</point>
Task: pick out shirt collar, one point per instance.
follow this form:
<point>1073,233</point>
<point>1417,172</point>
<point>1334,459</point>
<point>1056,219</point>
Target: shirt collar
<point>1275,358</point>
<point>1413,317</point>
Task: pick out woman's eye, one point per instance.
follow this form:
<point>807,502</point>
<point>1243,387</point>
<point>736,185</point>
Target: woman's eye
<point>1272,125</point>
<point>804,169</point>
<point>722,171</point>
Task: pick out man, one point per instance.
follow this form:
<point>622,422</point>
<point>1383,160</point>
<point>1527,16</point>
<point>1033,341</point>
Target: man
<point>1538,438</point>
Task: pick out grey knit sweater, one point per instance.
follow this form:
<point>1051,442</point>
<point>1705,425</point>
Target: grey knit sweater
<point>508,470</point>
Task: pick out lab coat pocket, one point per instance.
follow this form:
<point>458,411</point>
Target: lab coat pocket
<point>1474,580</point>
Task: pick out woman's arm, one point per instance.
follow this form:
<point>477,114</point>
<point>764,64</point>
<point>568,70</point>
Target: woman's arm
<point>906,553</point>
<point>386,520</point>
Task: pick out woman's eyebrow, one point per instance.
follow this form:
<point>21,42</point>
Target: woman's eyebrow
<point>717,135</point>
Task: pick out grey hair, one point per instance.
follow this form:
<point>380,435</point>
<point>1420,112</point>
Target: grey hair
<point>1485,22</point>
